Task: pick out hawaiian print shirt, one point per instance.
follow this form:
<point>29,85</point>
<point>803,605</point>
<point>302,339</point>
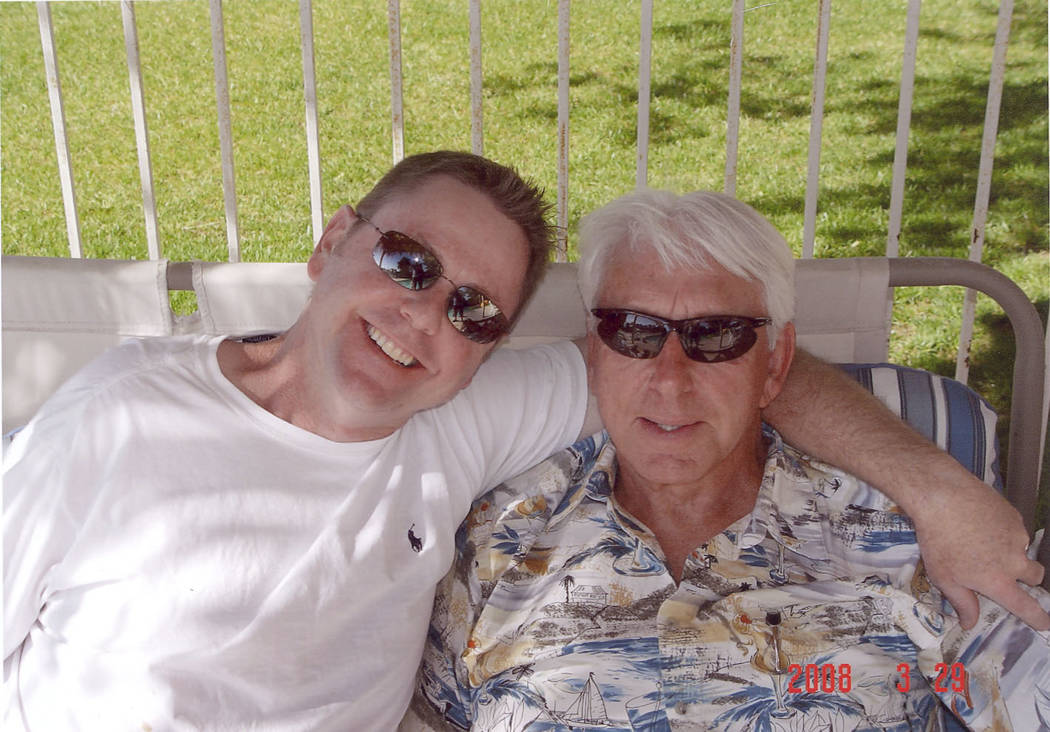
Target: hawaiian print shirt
<point>811,613</point>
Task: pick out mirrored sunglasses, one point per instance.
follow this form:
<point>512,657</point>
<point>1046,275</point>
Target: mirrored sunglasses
<point>414,267</point>
<point>710,339</point>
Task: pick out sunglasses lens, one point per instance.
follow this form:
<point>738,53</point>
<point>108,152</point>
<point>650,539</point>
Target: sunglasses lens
<point>712,340</point>
<point>631,334</point>
<point>474,315</point>
<point>708,340</point>
<point>406,261</point>
<point>414,267</point>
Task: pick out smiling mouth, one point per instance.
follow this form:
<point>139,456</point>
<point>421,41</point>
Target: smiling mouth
<point>665,427</point>
<point>392,351</point>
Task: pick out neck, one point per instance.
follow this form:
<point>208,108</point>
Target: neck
<point>270,375</point>
<point>684,516</point>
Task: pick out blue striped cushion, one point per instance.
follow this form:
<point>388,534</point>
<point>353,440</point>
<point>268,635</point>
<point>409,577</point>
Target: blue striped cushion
<point>945,411</point>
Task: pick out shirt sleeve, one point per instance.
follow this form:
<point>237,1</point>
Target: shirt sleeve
<point>41,517</point>
<point>994,676</point>
<point>522,406</point>
<point>52,476</point>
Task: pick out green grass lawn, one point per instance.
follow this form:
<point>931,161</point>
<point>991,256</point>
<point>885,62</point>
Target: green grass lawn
<point>690,81</point>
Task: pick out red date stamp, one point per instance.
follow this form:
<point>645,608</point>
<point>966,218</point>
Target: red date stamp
<point>812,678</point>
<point>829,678</point>
<point>949,678</point>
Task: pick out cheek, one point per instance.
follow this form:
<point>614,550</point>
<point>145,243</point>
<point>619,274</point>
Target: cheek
<point>743,380</point>
<point>467,377</point>
<point>617,389</point>
<point>339,289</point>
<point>735,402</point>
<point>462,359</point>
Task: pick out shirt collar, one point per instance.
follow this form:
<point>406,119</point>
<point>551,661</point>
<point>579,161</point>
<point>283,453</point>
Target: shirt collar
<point>789,516</point>
<point>781,512</point>
<point>593,476</point>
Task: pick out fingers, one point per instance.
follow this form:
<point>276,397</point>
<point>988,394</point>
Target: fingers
<point>1015,600</point>
<point>1032,573</point>
<point>965,603</point>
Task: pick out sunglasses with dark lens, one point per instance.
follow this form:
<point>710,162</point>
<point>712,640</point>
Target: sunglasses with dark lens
<point>415,267</point>
<point>710,339</point>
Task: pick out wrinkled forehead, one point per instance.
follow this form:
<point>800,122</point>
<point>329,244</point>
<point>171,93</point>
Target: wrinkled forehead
<point>632,275</point>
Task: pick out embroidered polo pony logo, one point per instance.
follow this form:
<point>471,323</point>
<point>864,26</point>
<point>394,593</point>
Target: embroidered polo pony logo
<point>415,541</point>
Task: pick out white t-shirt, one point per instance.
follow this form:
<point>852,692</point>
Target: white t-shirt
<point>176,557</point>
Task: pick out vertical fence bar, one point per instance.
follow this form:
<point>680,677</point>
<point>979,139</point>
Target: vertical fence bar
<point>222,103</point>
<point>138,109</point>
<point>904,107</point>
<point>58,124</point>
<point>645,72</point>
<point>477,134</point>
<point>816,129</point>
<point>900,154</point>
<point>397,102</point>
<point>1046,394</point>
<point>561,253</point>
<point>736,75</point>
<point>313,145</point>
<point>1046,361</point>
<point>984,181</point>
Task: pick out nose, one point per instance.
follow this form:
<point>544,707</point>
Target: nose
<point>671,371</point>
<point>425,309</point>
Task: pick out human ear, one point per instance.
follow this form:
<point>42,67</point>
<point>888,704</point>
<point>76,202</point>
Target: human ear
<point>779,364</point>
<point>336,230</point>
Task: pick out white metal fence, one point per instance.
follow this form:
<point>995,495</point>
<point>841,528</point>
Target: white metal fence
<point>738,45</point>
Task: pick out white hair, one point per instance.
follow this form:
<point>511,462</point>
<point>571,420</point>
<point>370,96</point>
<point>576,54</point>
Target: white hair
<point>691,231</point>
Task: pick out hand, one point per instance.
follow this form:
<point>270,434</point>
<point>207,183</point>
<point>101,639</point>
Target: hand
<point>973,541</point>
<point>971,538</point>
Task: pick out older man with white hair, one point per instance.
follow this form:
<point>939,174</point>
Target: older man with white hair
<point>687,568</point>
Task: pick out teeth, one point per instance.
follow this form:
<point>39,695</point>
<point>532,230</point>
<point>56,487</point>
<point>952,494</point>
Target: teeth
<point>667,427</point>
<point>388,347</point>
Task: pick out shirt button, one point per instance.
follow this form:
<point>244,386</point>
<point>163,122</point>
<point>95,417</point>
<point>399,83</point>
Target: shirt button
<point>681,707</point>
